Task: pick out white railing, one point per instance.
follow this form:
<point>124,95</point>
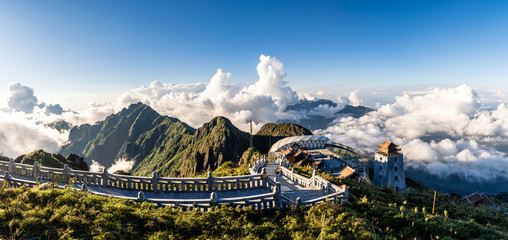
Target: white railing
<point>154,183</point>
<point>258,164</point>
<point>160,184</point>
<point>259,201</point>
<point>332,191</point>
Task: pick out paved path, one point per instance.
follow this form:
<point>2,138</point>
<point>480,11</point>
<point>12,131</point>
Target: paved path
<point>291,190</point>
<point>158,196</point>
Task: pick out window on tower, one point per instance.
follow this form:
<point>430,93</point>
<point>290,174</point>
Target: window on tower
<point>396,168</point>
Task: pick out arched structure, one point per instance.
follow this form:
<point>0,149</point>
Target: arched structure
<point>306,141</point>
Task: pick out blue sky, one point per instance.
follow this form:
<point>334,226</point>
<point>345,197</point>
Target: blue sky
<point>96,50</point>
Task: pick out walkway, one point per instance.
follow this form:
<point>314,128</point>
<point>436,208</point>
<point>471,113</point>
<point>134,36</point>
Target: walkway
<point>257,190</point>
<point>290,189</point>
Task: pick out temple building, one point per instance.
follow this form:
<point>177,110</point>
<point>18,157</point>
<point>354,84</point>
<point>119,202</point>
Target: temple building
<point>389,167</point>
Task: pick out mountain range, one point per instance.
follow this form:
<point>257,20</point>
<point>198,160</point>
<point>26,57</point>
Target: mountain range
<point>312,120</point>
<point>164,144</point>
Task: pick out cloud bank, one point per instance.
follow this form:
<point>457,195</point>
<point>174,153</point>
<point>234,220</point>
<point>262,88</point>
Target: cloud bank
<point>25,123</point>
<point>443,131</point>
<point>196,104</point>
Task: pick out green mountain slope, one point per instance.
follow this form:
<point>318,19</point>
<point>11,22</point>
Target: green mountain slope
<point>158,143</point>
<point>104,141</point>
<point>283,130</point>
<point>53,160</point>
<point>355,112</point>
<point>213,144</point>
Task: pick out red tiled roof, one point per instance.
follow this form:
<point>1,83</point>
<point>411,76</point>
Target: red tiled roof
<point>485,201</point>
<point>346,172</point>
<point>473,198</point>
<point>479,199</point>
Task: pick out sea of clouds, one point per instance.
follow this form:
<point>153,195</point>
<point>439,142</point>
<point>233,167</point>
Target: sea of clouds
<point>443,131</point>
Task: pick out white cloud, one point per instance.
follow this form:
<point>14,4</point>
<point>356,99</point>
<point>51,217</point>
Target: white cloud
<point>21,133</point>
<point>24,123</point>
<point>21,98</point>
<point>196,104</point>
<point>96,166</point>
<point>439,115</point>
<point>121,164</point>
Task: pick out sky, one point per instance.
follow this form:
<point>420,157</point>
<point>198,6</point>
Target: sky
<point>435,72</point>
<point>69,51</point>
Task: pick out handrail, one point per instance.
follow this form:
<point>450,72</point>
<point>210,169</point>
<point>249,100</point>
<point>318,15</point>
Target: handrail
<point>154,183</point>
<point>315,181</point>
<point>210,184</point>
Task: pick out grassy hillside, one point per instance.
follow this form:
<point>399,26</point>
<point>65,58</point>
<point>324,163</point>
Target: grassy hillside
<point>372,213</point>
<point>158,143</point>
<point>283,130</point>
<point>52,160</point>
<point>213,144</point>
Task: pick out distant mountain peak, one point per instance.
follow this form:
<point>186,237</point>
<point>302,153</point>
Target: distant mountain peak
<point>283,130</point>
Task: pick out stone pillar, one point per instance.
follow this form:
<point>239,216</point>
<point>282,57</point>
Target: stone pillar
<point>346,194</point>
<point>155,181</point>
<point>328,188</point>
<point>264,178</point>
<point>210,181</point>
<point>11,166</point>
<point>278,201</point>
<point>313,178</point>
<point>84,187</point>
<point>65,173</point>
<point>141,196</point>
<point>36,170</point>
<point>7,177</point>
<point>213,199</point>
<point>105,177</point>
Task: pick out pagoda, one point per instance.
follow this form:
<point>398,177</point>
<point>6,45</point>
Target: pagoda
<point>389,167</point>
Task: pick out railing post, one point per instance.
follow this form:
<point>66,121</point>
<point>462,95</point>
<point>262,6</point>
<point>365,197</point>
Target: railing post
<point>210,181</point>
<point>84,187</point>
<point>292,174</point>
<point>346,195</point>
<point>36,170</point>
<point>155,181</point>
<point>213,199</point>
<point>328,187</point>
<point>65,177</point>
<point>141,196</point>
<point>277,191</point>
<point>11,165</point>
<point>104,177</point>
<point>313,178</point>
<point>264,178</point>
<point>7,178</point>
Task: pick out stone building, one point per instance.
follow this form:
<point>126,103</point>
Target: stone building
<point>389,167</point>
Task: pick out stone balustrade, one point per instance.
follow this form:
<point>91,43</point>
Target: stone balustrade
<point>154,183</point>
<point>210,184</point>
<point>258,164</point>
<point>334,192</point>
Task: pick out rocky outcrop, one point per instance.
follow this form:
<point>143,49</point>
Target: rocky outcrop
<point>283,130</point>
<point>213,144</point>
<point>53,160</point>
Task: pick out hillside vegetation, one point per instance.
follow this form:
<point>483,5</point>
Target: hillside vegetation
<point>283,130</point>
<point>158,143</point>
<point>372,213</point>
<point>52,160</point>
